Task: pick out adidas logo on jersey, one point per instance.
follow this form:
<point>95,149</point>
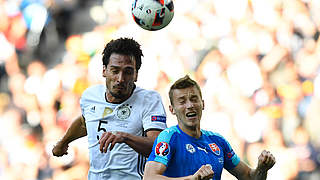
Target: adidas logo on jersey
<point>93,109</point>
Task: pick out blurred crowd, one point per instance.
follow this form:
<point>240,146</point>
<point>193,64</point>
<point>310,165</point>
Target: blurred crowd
<point>257,61</point>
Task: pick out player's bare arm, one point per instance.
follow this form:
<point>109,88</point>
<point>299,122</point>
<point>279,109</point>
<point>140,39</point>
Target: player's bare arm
<point>154,171</point>
<point>140,144</point>
<point>265,162</point>
<point>76,130</point>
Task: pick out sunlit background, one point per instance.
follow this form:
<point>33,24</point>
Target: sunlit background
<point>257,62</point>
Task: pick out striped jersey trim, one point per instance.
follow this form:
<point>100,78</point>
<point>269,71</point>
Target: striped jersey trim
<point>141,160</point>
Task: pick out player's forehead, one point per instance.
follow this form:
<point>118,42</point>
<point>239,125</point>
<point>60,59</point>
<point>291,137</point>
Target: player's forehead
<point>186,92</point>
<point>120,60</point>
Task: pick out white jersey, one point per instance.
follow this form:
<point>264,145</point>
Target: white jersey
<point>143,111</point>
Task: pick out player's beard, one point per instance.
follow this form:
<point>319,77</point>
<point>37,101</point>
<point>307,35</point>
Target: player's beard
<point>118,95</point>
<point>121,95</point>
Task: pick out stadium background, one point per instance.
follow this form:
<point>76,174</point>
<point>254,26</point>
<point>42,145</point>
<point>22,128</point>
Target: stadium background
<point>257,62</point>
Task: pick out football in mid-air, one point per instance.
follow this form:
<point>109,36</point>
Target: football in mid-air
<point>152,15</point>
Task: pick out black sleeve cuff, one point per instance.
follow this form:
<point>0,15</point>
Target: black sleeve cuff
<point>153,129</point>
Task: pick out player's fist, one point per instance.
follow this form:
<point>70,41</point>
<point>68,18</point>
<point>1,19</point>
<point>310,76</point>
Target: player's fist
<point>266,161</point>
<point>205,172</point>
<point>109,139</point>
<point>60,149</point>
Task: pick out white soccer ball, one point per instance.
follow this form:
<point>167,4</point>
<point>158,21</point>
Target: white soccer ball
<point>152,15</point>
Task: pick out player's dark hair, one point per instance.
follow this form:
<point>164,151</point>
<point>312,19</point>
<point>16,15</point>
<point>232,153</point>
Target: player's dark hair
<point>123,46</point>
<point>183,83</point>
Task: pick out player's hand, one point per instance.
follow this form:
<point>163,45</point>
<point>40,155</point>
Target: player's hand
<point>205,172</point>
<point>110,138</point>
<point>60,149</point>
<point>265,161</point>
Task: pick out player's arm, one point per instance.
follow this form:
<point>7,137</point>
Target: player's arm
<point>76,130</point>
<point>244,172</point>
<point>140,144</point>
<point>154,171</point>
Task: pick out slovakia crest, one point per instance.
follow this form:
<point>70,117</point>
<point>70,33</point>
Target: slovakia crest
<point>215,149</point>
<point>162,149</point>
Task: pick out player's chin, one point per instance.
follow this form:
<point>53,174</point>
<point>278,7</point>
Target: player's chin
<point>192,120</point>
<point>192,123</point>
<point>195,124</point>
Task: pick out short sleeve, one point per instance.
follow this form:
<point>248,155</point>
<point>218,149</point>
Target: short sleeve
<point>163,148</point>
<point>154,115</point>
<point>88,97</point>
<point>231,159</point>
<point>83,103</point>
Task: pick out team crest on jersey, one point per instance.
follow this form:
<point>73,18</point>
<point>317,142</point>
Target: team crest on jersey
<point>215,149</point>
<point>190,148</point>
<point>124,111</point>
<point>162,149</point>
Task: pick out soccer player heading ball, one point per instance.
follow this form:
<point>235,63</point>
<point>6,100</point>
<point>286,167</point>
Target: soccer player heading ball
<point>188,152</point>
<point>120,119</point>
<point>152,15</point>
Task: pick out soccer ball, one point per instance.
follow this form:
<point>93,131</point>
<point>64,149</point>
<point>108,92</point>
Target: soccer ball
<point>152,15</point>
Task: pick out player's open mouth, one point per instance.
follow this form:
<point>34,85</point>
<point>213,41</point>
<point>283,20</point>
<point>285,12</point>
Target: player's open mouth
<point>191,114</point>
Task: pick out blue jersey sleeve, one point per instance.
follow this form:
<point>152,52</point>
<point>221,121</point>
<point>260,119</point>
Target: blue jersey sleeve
<point>231,159</point>
<point>163,148</point>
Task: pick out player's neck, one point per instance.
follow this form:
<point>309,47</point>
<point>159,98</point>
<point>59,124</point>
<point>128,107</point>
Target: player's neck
<point>193,132</point>
<point>111,99</point>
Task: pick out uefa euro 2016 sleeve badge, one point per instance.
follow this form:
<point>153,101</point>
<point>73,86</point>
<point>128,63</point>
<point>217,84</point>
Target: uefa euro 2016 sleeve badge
<point>162,149</point>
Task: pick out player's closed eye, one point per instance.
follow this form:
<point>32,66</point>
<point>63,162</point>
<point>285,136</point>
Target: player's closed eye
<point>181,100</point>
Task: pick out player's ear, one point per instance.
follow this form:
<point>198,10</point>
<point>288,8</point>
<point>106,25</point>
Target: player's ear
<point>136,77</point>
<point>172,110</point>
<point>202,104</point>
<point>104,71</point>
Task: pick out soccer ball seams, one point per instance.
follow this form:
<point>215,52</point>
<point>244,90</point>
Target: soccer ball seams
<point>170,6</point>
<point>152,15</point>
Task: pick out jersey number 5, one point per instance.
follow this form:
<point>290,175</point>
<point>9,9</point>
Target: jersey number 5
<point>101,128</point>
